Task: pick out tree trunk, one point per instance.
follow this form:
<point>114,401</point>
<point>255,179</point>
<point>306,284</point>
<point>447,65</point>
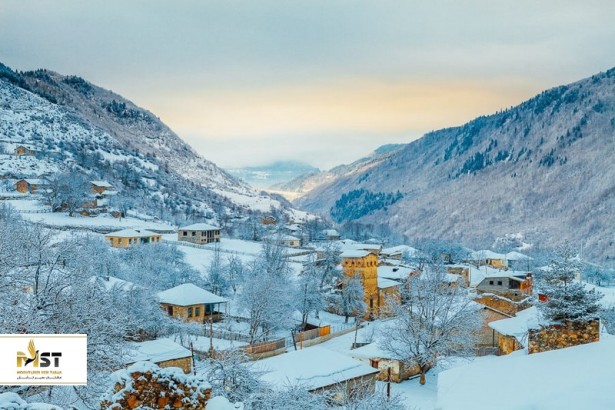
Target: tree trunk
<point>422,380</point>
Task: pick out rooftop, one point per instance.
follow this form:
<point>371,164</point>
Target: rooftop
<point>313,368</point>
<point>132,233</point>
<point>188,294</point>
<point>155,351</point>
<point>199,227</point>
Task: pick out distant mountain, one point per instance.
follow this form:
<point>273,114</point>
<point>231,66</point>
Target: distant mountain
<point>309,181</point>
<point>78,126</point>
<point>279,172</point>
<point>544,169</point>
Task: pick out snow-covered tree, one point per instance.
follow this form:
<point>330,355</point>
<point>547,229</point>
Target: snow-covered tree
<point>158,266</point>
<point>231,376</point>
<point>291,397</point>
<point>217,274</point>
<point>268,301</point>
<point>309,296</point>
<point>236,272</point>
<point>434,320</point>
<point>350,299</point>
<point>67,190</point>
<point>567,298</point>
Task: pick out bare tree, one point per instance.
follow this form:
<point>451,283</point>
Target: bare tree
<point>435,320</point>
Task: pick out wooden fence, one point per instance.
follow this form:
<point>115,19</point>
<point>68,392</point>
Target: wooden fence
<point>265,347</point>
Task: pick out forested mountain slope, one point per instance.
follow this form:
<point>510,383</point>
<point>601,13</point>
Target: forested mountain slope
<point>545,168</point>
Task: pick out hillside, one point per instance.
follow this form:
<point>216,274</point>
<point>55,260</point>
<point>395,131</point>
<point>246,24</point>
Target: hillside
<point>543,169</point>
<point>78,127</point>
<point>311,180</point>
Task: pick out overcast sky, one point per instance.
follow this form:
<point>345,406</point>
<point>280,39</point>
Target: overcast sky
<point>323,81</point>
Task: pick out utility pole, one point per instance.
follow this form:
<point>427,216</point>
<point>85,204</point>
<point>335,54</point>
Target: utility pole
<point>388,383</point>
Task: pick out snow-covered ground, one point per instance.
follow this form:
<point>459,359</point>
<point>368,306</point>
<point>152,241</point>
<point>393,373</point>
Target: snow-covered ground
<point>26,204</point>
<point>101,222</point>
<point>609,294</point>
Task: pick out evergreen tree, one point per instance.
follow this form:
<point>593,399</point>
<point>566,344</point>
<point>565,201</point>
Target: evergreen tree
<point>567,297</point>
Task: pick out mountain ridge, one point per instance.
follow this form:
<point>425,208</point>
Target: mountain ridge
<point>542,168</point>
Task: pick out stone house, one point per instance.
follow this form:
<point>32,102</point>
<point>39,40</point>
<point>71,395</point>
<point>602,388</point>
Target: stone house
<point>490,258</point>
<point>24,150</point>
<point>383,361</point>
<point>318,370</point>
<point>99,187</point>
<point>162,352</point>
<point>512,333</point>
<point>331,235</point>
<point>200,233</point>
<point>508,285</point>
<point>132,237</point>
<point>29,185</point>
<point>364,264</point>
<point>284,240</point>
<point>190,303</point>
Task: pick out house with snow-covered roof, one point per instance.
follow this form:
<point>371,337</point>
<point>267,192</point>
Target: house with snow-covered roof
<point>98,187</point>
<point>508,284</point>
<point>512,333</point>
<point>163,352</point>
<point>318,370</point>
<point>284,240</point>
<point>487,257</point>
<point>132,237</point>
<point>30,185</point>
<point>331,235</point>
<point>199,233</point>
<point>24,150</point>
<point>190,303</point>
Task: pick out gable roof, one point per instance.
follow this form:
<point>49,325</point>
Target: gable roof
<point>132,233</point>
<point>188,294</point>
<point>199,227</point>
<point>103,184</point>
<point>156,351</point>
<point>355,254</point>
<point>314,367</point>
<point>517,326</point>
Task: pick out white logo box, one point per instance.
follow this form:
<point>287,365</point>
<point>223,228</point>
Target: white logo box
<point>37,360</point>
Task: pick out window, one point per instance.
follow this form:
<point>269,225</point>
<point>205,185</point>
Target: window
<point>193,233</point>
<point>189,312</point>
<point>499,283</point>
<point>184,233</point>
<point>491,282</point>
<point>197,311</point>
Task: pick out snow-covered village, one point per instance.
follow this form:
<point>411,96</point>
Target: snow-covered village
<point>323,206</point>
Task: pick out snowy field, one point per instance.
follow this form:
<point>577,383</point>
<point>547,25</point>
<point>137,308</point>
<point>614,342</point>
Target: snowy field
<point>101,222</point>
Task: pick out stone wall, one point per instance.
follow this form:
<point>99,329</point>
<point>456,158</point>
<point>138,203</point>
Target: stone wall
<point>185,363</point>
<point>507,344</point>
<point>145,385</point>
<point>566,334</point>
<point>503,304</point>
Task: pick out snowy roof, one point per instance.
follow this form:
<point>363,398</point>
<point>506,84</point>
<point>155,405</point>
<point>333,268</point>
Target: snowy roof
<point>354,254</point>
<point>384,283</point>
<point>155,351</point>
<point>330,232</point>
<point>199,227</point>
<point>400,249</point>
<point>282,237</point>
<point>579,377</point>
<point>132,233</point>
<point>486,254</point>
<point>517,256</point>
<point>519,325</point>
<point>34,181</point>
<point>188,294</point>
<point>111,282</point>
<point>314,367</point>
<point>103,184</point>
<point>394,272</point>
